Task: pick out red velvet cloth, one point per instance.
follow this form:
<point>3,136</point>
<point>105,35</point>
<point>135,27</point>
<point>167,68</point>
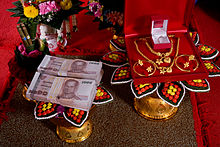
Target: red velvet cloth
<point>206,16</point>
<point>197,120</point>
<point>9,87</point>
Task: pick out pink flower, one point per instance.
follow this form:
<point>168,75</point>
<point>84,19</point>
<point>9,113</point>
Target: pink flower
<point>47,7</point>
<point>32,54</point>
<point>22,49</point>
<point>96,8</point>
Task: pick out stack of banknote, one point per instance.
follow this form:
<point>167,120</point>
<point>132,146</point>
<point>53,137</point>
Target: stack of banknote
<point>76,68</point>
<point>69,92</point>
<point>68,82</point>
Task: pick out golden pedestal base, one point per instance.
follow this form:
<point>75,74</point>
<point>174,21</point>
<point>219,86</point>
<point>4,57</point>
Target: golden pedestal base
<point>112,48</point>
<point>152,107</point>
<point>70,133</point>
<point>24,90</point>
<point>74,134</point>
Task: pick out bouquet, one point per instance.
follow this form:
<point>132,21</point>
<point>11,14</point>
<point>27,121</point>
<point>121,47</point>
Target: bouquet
<point>51,13</point>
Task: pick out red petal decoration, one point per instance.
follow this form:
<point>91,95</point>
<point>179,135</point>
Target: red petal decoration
<point>75,116</point>
<point>118,43</point>
<point>102,96</point>
<point>115,58</point>
<point>142,90</point>
<point>121,75</point>
<point>198,85</point>
<point>213,69</point>
<point>207,52</point>
<point>45,110</point>
<point>195,37</point>
<point>171,92</point>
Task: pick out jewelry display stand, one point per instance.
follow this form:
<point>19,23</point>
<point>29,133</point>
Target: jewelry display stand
<point>153,108</point>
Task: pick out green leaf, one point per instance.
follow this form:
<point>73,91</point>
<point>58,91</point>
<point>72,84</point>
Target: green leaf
<point>22,20</point>
<point>16,15</point>
<point>17,3</point>
<point>14,10</point>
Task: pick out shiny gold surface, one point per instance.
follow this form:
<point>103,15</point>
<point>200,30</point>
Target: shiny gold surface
<point>74,134</point>
<point>114,37</point>
<point>112,48</point>
<point>71,134</point>
<point>24,94</point>
<point>152,107</point>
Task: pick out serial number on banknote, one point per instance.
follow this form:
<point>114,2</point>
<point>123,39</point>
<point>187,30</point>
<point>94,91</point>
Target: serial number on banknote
<point>86,82</point>
<point>38,92</point>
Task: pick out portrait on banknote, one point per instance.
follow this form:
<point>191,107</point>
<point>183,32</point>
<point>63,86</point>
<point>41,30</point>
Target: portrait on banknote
<point>78,66</point>
<point>69,89</point>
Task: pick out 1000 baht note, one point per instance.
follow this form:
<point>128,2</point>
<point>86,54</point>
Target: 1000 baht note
<point>76,68</point>
<point>70,92</point>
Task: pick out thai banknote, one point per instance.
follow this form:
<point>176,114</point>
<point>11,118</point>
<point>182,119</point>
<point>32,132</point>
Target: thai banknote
<point>76,68</point>
<point>70,92</point>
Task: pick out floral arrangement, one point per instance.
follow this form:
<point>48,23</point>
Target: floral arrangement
<point>47,12</point>
<point>51,13</point>
<point>109,14</point>
<point>41,27</point>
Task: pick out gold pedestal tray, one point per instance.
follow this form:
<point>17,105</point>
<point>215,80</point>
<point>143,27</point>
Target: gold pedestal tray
<point>70,133</point>
<point>24,90</point>
<point>66,131</point>
<point>112,48</point>
<point>152,107</point>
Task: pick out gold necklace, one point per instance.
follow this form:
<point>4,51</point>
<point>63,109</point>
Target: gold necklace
<point>164,56</point>
<point>162,69</point>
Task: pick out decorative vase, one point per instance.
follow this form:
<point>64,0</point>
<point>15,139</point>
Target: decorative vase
<point>28,62</point>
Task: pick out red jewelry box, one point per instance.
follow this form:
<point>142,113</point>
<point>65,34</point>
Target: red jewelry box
<point>159,38</point>
<point>138,25</point>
